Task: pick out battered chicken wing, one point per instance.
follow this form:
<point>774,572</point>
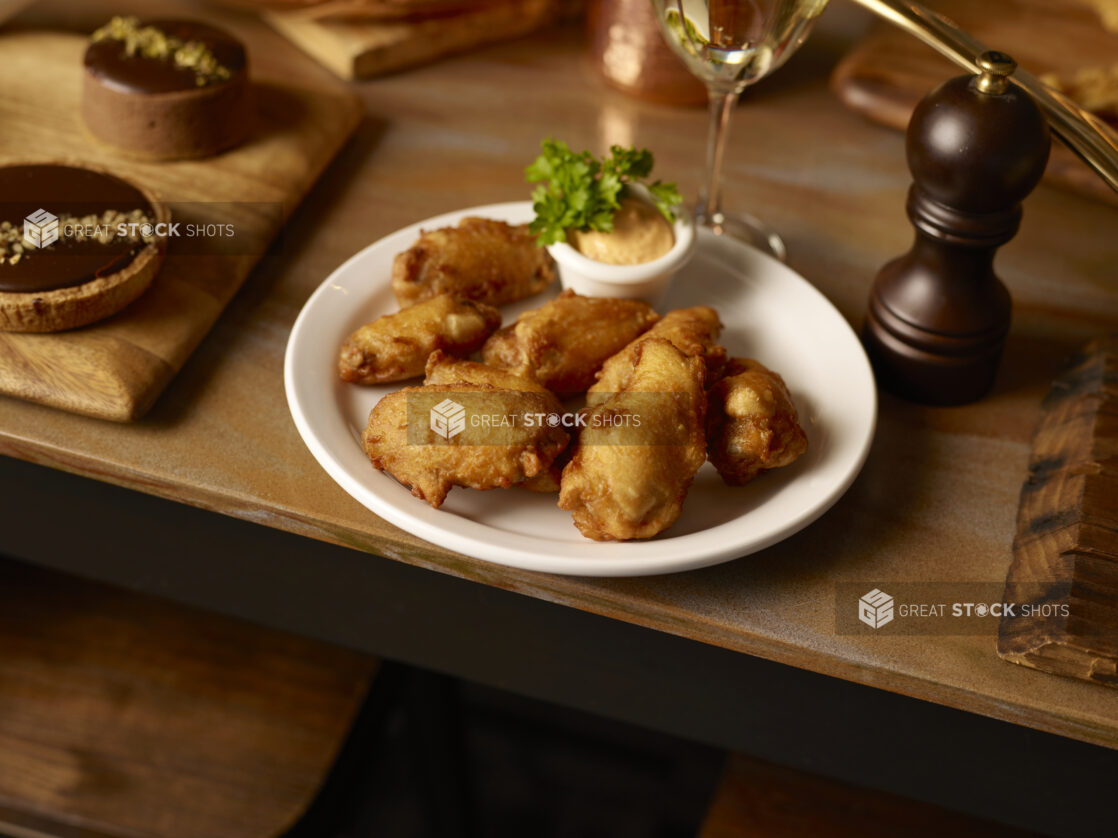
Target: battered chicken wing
<point>752,424</point>
<point>396,346</point>
<point>564,343</point>
<point>446,369</point>
<point>693,331</point>
<point>480,259</point>
<point>639,450</point>
<point>547,482</point>
<point>430,462</point>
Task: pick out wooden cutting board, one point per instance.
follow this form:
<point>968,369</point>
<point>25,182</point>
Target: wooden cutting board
<point>116,369</point>
<point>1065,555</point>
<point>364,48</point>
<point>889,72</point>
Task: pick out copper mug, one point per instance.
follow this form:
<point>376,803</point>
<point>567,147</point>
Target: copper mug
<point>628,50</point>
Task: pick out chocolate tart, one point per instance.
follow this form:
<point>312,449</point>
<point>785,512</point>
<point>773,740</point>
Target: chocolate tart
<point>166,89</point>
<point>105,255</point>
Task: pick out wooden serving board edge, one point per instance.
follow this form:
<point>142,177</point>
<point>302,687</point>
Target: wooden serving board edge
<point>1066,549</point>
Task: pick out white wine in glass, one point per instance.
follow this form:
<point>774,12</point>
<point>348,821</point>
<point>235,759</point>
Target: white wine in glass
<point>730,44</point>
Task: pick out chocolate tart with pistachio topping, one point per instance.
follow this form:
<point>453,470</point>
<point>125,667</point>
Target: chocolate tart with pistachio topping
<point>77,244</point>
<point>166,89</point>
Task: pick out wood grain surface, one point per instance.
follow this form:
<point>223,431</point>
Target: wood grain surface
<point>360,49</point>
<point>936,500</point>
<point>1065,555</point>
<point>888,72</point>
<point>125,715</point>
<point>115,369</point>
<point>756,799</point>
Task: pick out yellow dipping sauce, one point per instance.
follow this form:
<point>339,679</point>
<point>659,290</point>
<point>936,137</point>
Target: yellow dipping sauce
<point>640,234</point>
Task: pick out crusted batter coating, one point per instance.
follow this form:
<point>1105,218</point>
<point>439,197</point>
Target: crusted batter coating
<point>481,259</point>
<point>396,346</point>
<point>752,424</point>
<point>638,453</point>
<point>431,464</point>
<point>564,343</point>
<point>693,331</point>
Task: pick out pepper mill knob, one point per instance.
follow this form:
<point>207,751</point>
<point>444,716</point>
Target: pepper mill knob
<point>938,315</point>
<point>996,69</point>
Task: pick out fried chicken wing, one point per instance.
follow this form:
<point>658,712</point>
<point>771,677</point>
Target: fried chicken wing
<point>752,424</point>
<point>547,482</point>
<point>480,259</point>
<point>564,343</point>
<point>639,450</point>
<point>396,346</point>
<point>693,331</point>
<point>446,369</point>
<point>431,457</point>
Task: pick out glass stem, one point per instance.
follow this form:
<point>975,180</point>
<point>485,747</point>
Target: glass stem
<point>721,106</point>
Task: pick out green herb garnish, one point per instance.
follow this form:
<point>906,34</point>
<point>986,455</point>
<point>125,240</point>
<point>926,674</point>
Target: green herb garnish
<point>581,192</point>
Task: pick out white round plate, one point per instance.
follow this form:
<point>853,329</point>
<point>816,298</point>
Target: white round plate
<point>771,314</point>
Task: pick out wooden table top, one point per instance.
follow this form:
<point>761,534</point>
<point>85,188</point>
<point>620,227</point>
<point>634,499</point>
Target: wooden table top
<point>938,495</point>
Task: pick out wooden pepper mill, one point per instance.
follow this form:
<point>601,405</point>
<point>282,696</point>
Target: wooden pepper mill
<point>938,316</point>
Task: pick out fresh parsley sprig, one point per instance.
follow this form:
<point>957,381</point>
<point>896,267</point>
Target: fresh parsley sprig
<point>582,192</point>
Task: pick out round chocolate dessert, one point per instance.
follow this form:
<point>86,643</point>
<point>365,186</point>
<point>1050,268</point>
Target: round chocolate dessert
<point>167,89</point>
<point>76,245</point>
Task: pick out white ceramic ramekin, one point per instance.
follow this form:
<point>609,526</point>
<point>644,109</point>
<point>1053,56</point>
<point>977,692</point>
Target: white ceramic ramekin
<point>647,281</point>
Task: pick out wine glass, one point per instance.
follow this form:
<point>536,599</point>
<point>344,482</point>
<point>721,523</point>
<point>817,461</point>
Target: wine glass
<point>728,45</point>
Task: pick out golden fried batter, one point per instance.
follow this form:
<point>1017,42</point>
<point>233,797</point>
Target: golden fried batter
<point>627,480</point>
<point>480,259</point>
<point>446,369</point>
<point>547,482</point>
<point>693,331</point>
<point>564,343</point>
<point>396,346</point>
<point>752,424</point>
<point>430,465</point>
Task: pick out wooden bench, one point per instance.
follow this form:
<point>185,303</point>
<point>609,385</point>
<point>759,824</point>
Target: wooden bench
<point>123,715</point>
<point>757,799</point>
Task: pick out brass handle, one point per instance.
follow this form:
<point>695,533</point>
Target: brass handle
<point>1082,131</point>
